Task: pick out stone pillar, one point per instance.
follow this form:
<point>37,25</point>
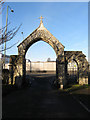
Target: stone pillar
<point>17,70</point>
<point>56,68</point>
<point>10,73</point>
<point>11,69</point>
<point>23,70</point>
<point>83,72</point>
<point>61,71</point>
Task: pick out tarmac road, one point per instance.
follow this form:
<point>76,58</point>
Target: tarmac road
<point>41,100</point>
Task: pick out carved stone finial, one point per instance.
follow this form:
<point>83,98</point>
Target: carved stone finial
<point>41,26</point>
<point>41,19</point>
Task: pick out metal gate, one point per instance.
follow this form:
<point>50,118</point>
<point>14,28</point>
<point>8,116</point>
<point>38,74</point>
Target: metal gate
<point>72,72</point>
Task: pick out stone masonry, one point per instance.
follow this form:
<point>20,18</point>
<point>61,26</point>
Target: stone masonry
<point>18,64</point>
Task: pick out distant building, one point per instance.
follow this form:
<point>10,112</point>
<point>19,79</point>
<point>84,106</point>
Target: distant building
<point>40,66</point>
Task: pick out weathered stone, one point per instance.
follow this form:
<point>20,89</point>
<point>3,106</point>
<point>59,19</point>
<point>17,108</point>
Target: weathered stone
<point>18,64</point>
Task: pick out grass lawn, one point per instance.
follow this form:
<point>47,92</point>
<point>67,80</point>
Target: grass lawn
<point>75,87</point>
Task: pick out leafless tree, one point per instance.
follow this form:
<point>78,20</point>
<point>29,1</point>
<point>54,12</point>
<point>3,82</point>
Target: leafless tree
<point>1,3</point>
<point>6,36</point>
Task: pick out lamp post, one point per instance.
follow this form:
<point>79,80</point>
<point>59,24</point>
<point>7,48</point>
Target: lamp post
<point>6,32</point>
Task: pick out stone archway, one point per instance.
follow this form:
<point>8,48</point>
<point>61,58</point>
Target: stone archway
<point>41,33</point>
<point>18,63</point>
<point>82,64</point>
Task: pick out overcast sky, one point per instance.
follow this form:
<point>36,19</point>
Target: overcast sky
<point>67,21</point>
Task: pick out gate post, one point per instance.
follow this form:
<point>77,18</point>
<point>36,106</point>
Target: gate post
<point>83,72</point>
<point>60,72</point>
<point>11,69</point>
<point>17,70</point>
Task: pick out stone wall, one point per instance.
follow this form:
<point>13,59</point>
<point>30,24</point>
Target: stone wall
<point>18,63</point>
<point>60,72</point>
<point>41,66</point>
<point>82,63</point>
<point>17,70</point>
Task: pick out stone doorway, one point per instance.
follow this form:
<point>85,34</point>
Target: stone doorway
<point>73,72</point>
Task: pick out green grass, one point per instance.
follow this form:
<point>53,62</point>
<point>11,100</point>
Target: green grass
<point>74,87</point>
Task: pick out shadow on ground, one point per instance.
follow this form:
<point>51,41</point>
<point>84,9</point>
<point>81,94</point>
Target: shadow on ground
<point>41,100</point>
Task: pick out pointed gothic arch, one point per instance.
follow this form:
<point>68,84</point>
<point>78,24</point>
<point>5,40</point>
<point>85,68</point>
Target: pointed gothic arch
<point>41,33</point>
<point>18,63</point>
<point>82,64</point>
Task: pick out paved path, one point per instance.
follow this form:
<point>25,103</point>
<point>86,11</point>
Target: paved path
<point>41,101</point>
<point>83,95</point>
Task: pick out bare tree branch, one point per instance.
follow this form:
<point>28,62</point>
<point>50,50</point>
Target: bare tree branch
<point>1,3</point>
<point>6,36</point>
<point>9,47</point>
<point>3,28</point>
<point>9,35</point>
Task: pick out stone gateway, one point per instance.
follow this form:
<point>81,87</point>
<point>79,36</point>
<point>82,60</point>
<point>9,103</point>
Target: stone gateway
<point>18,63</point>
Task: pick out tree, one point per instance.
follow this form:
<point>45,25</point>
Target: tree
<point>49,59</point>
<point>5,35</point>
<point>1,3</point>
<point>8,36</point>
